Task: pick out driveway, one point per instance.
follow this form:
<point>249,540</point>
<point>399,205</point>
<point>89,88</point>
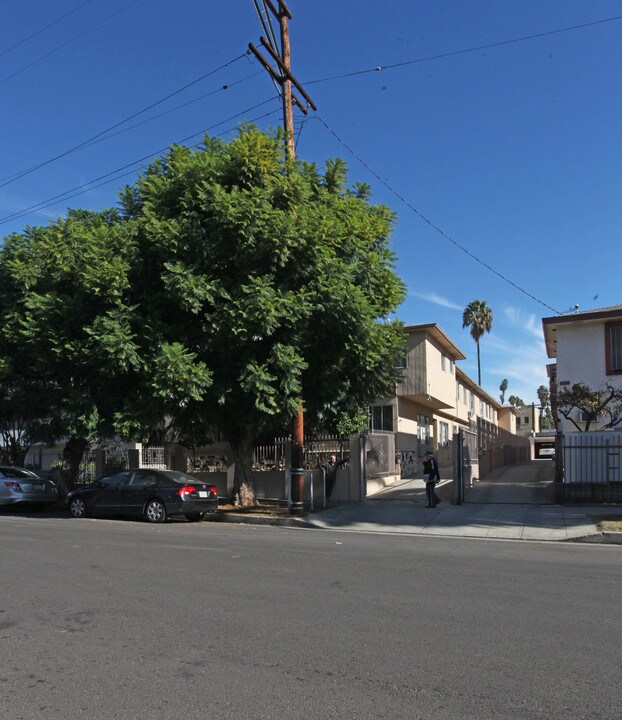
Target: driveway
<point>528,483</point>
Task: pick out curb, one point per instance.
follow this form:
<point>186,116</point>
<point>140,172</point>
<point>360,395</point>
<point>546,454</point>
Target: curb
<point>237,519</point>
<point>601,538</point>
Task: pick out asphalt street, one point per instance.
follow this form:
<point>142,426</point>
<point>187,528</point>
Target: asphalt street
<point>111,619</point>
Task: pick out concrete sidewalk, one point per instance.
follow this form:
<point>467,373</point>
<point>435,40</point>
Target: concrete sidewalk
<point>401,509</point>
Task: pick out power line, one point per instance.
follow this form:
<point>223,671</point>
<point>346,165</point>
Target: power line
<point>430,223</point>
<point>267,28</point>
<point>65,196</point>
<point>12,178</point>
<point>45,27</point>
<point>67,42</point>
<point>52,200</point>
<point>453,53</point>
<point>173,109</point>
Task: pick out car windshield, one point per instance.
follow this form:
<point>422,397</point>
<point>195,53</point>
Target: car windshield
<point>179,477</point>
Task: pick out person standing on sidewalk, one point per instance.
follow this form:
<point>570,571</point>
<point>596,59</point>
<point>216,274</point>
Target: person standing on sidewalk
<point>431,476</point>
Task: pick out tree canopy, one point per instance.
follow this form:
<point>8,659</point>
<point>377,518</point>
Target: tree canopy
<point>231,285</point>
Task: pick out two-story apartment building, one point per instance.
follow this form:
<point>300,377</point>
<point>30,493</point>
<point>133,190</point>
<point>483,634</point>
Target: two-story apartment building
<point>588,349</point>
<point>434,397</point>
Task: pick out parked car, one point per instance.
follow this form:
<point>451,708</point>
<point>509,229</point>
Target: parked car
<point>19,486</point>
<point>153,494</point>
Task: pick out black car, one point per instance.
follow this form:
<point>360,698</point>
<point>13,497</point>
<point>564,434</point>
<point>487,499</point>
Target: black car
<point>153,494</point>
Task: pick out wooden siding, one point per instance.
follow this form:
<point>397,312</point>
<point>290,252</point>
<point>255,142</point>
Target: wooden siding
<point>415,379</point>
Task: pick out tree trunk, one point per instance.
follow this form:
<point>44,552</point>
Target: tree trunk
<point>241,442</point>
<point>479,369</point>
<point>73,453</point>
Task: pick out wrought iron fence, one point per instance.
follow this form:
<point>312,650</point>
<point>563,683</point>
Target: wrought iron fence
<point>589,467</point>
<point>204,459</point>
<point>152,456</point>
<point>319,448</point>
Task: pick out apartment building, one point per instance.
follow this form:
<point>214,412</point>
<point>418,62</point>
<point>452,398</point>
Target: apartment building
<point>434,397</point>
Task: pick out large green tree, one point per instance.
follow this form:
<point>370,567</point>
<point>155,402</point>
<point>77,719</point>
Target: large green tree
<point>278,276</point>
<point>231,285</point>
<point>477,316</point>
<point>77,353</point>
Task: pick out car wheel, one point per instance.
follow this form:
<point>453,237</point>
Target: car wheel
<point>77,507</point>
<point>194,517</point>
<point>155,511</point>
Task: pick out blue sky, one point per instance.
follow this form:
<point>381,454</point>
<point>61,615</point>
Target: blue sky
<point>512,151</point>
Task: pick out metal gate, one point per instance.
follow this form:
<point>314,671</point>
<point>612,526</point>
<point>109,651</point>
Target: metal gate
<point>589,467</point>
<point>466,463</point>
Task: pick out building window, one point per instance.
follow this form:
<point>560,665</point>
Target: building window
<point>382,418</point>
<point>451,366</point>
<point>481,408</point>
<point>613,347</point>
<point>423,428</point>
<point>443,434</point>
<point>472,402</point>
<point>400,362</point>
<point>443,363</point>
<point>526,419</point>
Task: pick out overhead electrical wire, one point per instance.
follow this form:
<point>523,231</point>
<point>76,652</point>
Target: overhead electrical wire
<point>465,51</point>
<point>67,42</point>
<point>56,198</point>
<point>16,176</point>
<point>44,28</point>
<point>173,109</point>
<point>429,222</point>
<point>269,33</point>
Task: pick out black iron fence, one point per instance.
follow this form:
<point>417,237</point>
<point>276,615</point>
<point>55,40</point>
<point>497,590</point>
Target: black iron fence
<point>589,467</point>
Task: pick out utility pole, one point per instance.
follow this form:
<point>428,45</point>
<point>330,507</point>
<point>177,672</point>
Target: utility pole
<point>283,76</point>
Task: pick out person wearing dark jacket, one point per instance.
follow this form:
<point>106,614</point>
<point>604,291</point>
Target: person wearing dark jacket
<point>431,476</point>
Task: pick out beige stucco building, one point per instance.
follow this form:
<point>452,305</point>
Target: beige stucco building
<point>434,397</point>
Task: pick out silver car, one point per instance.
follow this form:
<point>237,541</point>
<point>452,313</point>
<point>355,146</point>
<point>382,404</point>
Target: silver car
<point>19,486</point>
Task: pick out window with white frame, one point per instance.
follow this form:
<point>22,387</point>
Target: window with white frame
<point>443,433</point>
<point>443,363</point>
<point>423,428</point>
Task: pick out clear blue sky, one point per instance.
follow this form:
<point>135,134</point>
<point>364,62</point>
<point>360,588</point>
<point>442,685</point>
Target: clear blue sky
<point>513,151</point>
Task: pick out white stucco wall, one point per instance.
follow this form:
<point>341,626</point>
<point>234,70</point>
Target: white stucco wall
<point>581,358</point>
<point>581,355</point>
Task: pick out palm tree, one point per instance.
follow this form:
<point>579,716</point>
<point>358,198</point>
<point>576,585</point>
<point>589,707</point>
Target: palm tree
<point>543,397</point>
<point>503,387</point>
<point>478,316</point>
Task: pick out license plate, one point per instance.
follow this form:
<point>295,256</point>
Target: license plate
<point>203,493</point>
<point>39,487</point>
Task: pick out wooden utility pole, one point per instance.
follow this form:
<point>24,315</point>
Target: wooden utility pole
<point>283,76</point>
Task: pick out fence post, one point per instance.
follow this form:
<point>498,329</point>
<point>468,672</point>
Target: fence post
<point>100,463</point>
<point>133,458</point>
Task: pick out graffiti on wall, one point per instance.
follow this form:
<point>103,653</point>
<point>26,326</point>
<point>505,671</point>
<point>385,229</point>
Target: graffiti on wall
<point>409,464</point>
